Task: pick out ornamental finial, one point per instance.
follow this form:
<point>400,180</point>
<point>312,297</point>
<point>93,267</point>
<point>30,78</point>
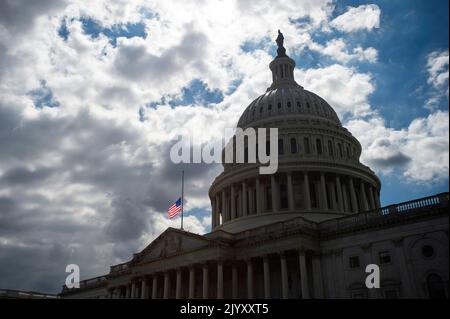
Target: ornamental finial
<point>281,51</point>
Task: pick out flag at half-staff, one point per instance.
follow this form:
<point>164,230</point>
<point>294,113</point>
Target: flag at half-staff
<point>175,209</point>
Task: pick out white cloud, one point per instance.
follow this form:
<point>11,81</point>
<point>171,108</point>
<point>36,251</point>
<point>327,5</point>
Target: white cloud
<point>364,17</point>
<point>420,151</point>
<point>437,68</point>
<point>345,89</point>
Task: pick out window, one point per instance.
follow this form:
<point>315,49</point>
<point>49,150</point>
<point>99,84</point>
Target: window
<point>319,146</point>
<point>246,155</point>
<point>307,147</point>
<point>354,262</point>
<point>340,150</point>
<point>298,104</point>
<point>280,147</point>
<point>435,287</point>
<point>330,148</point>
<point>279,105</point>
<point>294,149</point>
<point>260,109</point>
<point>348,152</point>
<point>267,148</point>
<point>427,251</point>
<point>307,105</point>
<point>385,257</point>
<point>288,104</point>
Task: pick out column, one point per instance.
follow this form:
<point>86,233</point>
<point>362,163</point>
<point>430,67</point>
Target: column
<point>219,279</point>
<point>363,196</point>
<point>249,279</point>
<point>224,206</point>
<point>144,290</point>
<point>306,194</point>
<point>376,197</point>
<point>244,199</point>
<point>303,274</point>
<point>217,210</point>
<point>234,281</point>
<point>233,203</point>
<point>371,199</point>
<point>273,184</point>
<point>213,213</point>
<point>368,259</point>
<point>345,198</point>
<point>166,285</point>
<point>339,194</point>
<point>290,190</point>
<point>205,281</point>
<point>179,283</point>
<point>133,290</point>
<point>258,195</point>
<point>407,286</point>
<point>353,196</point>
<point>155,287</point>
<point>317,276</point>
<point>266,277</point>
<point>284,276</point>
<point>191,282</point>
<point>250,200</point>
<point>331,190</point>
<point>323,188</point>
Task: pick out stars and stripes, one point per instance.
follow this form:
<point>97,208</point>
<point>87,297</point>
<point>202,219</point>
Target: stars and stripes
<point>175,208</point>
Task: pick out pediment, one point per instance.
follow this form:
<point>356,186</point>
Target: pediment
<point>169,243</point>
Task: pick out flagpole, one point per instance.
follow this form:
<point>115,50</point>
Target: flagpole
<point>182,197</point>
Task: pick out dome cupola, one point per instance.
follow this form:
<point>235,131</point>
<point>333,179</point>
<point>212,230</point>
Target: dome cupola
<point>319,174</point>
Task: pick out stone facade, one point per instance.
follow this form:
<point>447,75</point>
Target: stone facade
<point>296,258</point>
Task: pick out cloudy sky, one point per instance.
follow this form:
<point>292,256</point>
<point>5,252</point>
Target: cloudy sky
<point>94,93</point>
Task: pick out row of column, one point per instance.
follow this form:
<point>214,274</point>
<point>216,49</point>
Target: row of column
<point>132,290</point>
<point>342,193</point>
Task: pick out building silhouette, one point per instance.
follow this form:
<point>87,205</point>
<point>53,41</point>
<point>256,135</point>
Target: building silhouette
<point>307,231</point>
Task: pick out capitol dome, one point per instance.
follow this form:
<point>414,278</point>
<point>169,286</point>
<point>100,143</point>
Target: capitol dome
<point>319,174</point>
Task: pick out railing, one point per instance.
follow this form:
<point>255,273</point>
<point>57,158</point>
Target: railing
<point>90,282</point>
<point>24,294</point>
<point>119,267</point>
<point>384,213</point>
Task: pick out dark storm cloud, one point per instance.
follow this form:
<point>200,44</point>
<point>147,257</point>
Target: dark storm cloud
<point>43,232</point>
<point>396,160</point>
<point>134,62</point>
<point>19,15</point>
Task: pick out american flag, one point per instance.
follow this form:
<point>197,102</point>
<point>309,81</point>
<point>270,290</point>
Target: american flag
<point>174,209</point>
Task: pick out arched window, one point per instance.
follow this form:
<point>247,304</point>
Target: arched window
<point>307,147</point>
<point>294,149</point>
<point>280,147</point>
<point>270,107</point>
<point>340,150</point>
<point>298,104</point>
<point>267,148</point>
<point>245,155</point>
<point>288,104</point>
<point>319,146</point>
<point>348,152</point>
<point>279,105</point>
<point>330,148</point>
<point>435,285</point>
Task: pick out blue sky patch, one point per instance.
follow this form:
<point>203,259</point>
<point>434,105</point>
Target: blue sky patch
<point>128,30</point>
<point>43,97</point>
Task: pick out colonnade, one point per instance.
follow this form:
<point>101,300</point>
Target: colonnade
<point>159,285</point>
<point>293,191</point>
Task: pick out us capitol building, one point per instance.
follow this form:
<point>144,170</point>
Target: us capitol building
<point>307,231</point>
